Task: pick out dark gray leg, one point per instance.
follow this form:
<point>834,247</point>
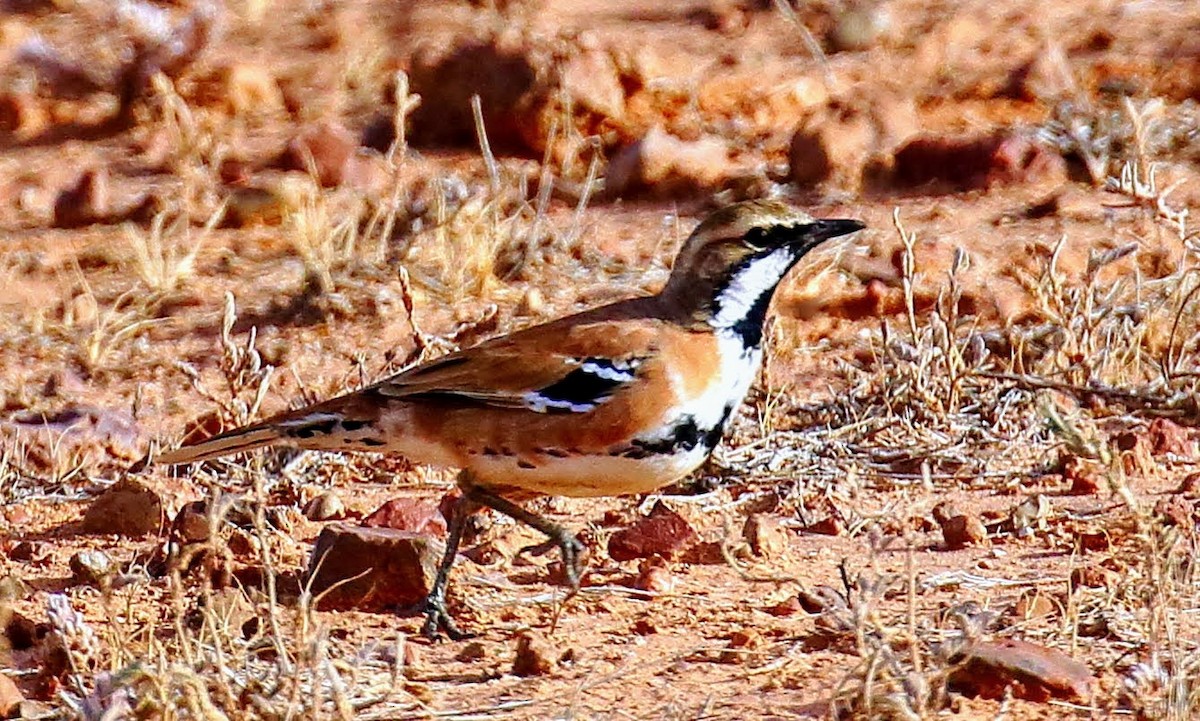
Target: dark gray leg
<point>568,545</point>
<point>437,618</point>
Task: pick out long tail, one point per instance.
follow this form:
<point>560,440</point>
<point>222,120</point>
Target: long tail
<point>346,422</point>
<point>223,444</point>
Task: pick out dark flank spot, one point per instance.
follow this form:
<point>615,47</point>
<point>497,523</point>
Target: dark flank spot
<point>372,442</point>
<point>556,452</point>
<point>324,428</point>
<point>578,388</point>
<point>684,436</point>
<point>490,452</point>
<point>526,465</point>
<point>352,426</point>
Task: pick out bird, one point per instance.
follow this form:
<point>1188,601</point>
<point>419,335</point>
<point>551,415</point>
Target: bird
<point>621,399</point>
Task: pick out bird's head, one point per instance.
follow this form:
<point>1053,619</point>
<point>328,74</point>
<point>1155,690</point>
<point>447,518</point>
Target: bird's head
<point>727,271</point>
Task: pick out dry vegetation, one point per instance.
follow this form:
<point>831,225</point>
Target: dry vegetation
<point>213,211</point>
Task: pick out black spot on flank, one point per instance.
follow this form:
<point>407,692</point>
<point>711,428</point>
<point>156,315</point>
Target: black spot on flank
<point>526,465</point>
<point>489,451</point>
<point>352,426</point>
<point>372,442</point>
<point>685,435</point>
<point>556,452</point>
<point>312,430</point>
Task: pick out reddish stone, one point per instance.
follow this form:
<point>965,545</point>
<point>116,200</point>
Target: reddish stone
<point>533,656</point>
<point>654,577</point>
<point>409,514</point>
<point>1176,511</point>
<point>959,530</point>
<point>1083,476</point>
<point>663,533</point>
<point>1034,672</point>
<point>1004,157</point>
<point>372,569</point>
<point>1168,437</point>
<point>328,147</point>
<point>765,535</point>
<point>128,508</point>
<point>10,696</point>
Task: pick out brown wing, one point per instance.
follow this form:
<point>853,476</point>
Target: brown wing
<point>561,366</point>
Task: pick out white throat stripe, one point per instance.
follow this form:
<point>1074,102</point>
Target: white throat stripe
<point>745,288</point>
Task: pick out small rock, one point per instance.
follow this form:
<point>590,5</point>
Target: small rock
<point>860,28</point>
<point>20,632</point>
<point>23,115</point>
<point>329,148</point>
<point>959,530</point>
<point>29,551</point>
<point>1178,512</point>
<point>372,568</point>
<point>409,514</point>
<point>1190,485</point>
<point>820,599</point>
<point>230,610</point>
<point>1034,672</point>
<point>1168,437</point>
<point>191,523</point>
<point>84,203</point>
<point>533,303</point>
<point>251,89</point>
<point>534,657</point>
<point>727,17</point>
<point>742,645</point>
<point>326,507</point>
<point>1045,77</point>
<point>11,697</point>
<point>665,166</point>
<point>534,92</point>
<point>845,144</point>
<point>473,651</point>
<point>1093,576</point>
<point>831,149</point>
<point>765,535</point>
<point>13,588</point>
<point>644,627</point>
<point>831,525</point>
<point>789,606</point>
<point>1083,475</point>
<point>92,568</point>
<point>127,508</point>
<point>654,576</point>
<point>1034,604</point>
<point>1029,516</point>
<point>242,543</point>
<point>1004,157</point>
<point>663,533</point>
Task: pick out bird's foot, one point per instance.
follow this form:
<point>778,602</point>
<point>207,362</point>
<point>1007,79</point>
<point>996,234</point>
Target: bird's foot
<point>438,620</point>
<point>570,549</point>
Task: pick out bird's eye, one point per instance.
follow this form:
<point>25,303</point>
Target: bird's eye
<point>757,238</point>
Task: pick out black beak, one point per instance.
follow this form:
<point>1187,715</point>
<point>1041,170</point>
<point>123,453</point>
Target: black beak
<point>832,228</point>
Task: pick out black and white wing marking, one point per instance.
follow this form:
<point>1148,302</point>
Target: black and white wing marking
<point>593,382</point>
